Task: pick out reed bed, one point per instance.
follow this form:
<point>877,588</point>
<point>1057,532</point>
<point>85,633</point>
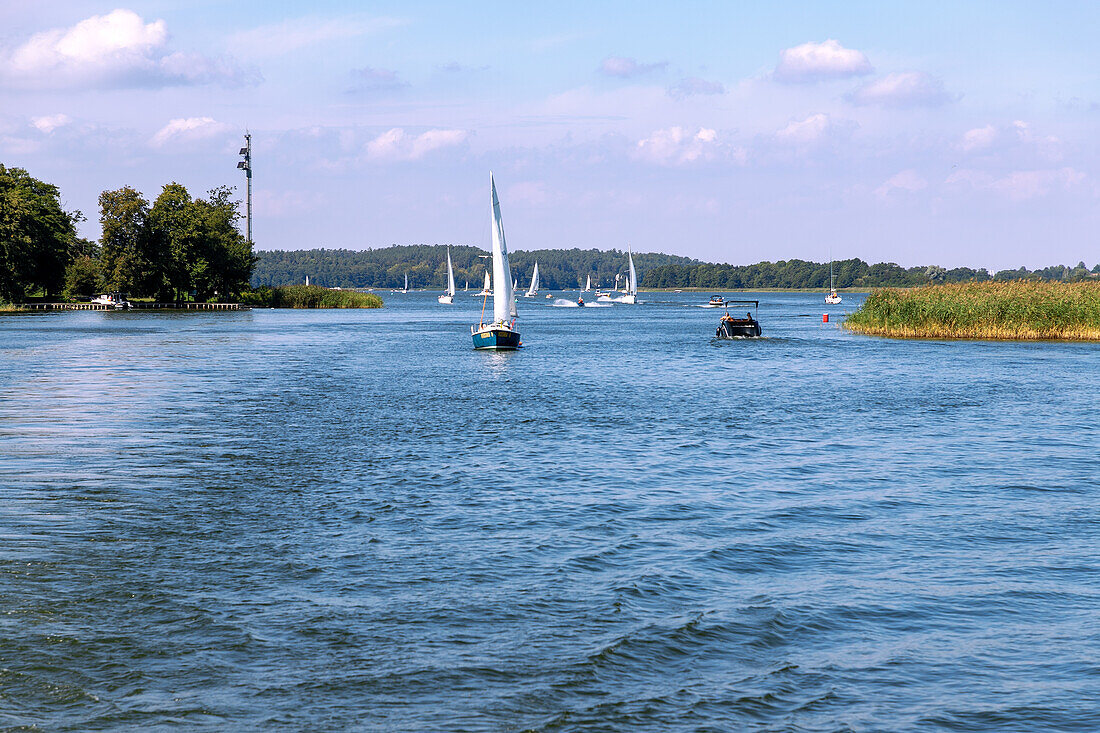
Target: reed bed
<point>1013,310</point>
<point>309,296</point>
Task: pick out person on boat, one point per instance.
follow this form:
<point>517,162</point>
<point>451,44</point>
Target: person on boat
<point>580,300</point>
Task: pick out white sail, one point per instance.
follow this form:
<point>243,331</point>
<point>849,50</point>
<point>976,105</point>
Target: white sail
<point>534,289</point>
<point>504,303</point>
<point>488,284</point>
<point>450,274</point>
<point>467,288</point>
<point>406,282</point>
<point>588,284</point>
<point>632,286</point>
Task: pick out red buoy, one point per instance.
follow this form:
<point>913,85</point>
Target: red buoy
<point>824,317</point>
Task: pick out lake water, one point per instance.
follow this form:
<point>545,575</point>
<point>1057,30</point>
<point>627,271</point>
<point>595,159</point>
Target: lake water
<point>350,520</point>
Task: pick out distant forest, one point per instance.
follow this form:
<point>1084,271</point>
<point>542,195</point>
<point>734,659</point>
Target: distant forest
<point>561,269</point>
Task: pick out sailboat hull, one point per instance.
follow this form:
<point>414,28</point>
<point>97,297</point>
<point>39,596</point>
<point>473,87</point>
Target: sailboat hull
<point>446,299</point>
<point>499,339</point>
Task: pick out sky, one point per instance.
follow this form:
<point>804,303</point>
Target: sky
<point>959,134</point>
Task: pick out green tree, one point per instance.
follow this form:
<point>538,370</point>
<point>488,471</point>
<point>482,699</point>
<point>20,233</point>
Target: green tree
<point>175,222</point>
<point>83,276</point>
<point>131,259</point>
<point>37,236</point>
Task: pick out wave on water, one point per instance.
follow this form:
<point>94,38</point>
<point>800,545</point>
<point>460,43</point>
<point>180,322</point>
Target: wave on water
<point>563,303</point>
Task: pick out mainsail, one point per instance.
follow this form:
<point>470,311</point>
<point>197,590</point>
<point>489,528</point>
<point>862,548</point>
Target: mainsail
<point>504,302</point>
<point>450,274</point>
<point>632,286</point>
<point>534,289</point>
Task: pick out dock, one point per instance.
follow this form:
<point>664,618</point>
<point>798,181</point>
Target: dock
<point>134,306</point>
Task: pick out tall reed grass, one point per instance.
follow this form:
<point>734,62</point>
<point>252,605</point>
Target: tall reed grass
<point>1014,310</point>
<point>309,296</point>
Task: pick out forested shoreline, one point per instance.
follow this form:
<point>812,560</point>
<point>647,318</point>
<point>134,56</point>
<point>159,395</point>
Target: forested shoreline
<point>426,266</point>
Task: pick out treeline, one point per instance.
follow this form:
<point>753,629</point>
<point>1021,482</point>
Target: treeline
<point>426,266</point>
<point>177,248</point>
<point>853,273</point>
<point>561,269</point>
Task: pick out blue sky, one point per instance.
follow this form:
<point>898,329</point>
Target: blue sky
<point>949,133</point>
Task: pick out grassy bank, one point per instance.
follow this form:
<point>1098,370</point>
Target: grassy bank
<point>1017,310</point>
<point>309,296</point>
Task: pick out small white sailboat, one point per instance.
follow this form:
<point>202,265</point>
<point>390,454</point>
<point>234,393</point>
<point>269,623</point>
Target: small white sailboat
<point>631,296</point>
<point>534,289</point>
<point>501,333</point>
<point>486,289</point>
<point>588,284</point>
<point>406,290</point>
<point>449,297</point>
<point>832,298</point>
<point>467,288</point>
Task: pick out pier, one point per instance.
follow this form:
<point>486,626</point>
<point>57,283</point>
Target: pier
<point>134,306</point>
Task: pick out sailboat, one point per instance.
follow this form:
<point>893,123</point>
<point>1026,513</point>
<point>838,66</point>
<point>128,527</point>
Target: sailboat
<point>449,297</point>
<point>467,288</point>
<point>832,298</point>
<point>501,333</point>
<point>487,289</point>
<point>631,296</point>
<point>406,290</point>
<point>588,284</point>
<point>534,289</point>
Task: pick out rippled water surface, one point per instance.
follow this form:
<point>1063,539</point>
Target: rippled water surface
<point>351,520</point>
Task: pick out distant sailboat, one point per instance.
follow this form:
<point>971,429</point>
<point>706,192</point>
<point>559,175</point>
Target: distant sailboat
<point>406,290</point>
<point>832,298</point>
<point>631,296</point>
<point>588,284</point>
<point>449,297</point>
<point>534,289</point>
<point>487,289</point>
<point>501,333</point>
<point>467,288</point>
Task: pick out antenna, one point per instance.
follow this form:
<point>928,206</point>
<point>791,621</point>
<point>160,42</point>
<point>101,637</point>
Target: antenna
<point>246,166</point>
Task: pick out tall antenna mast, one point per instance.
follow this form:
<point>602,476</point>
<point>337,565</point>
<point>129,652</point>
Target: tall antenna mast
<point>246,166</point>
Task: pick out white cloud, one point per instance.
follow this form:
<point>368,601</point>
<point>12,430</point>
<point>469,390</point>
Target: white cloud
<point>692,85</point>
<point>1020,185</point>
<point>626,67</point>
<point>396,144</point>
<point>805,131</point>
<point>816,61</point>
<point>49,123</point>
<point>907,180</point>
<point>189,129</point>
<point>904,89</point>
<point>277,39</point>
<point>370,79</point>
<point>676,146</point>
<point>979,138</point>
<point>115,50</point>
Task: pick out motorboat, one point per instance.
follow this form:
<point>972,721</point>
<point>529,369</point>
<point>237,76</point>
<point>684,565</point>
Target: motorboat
<point>730,327</point>
<point>716,301</point>
<point>116,300</point>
